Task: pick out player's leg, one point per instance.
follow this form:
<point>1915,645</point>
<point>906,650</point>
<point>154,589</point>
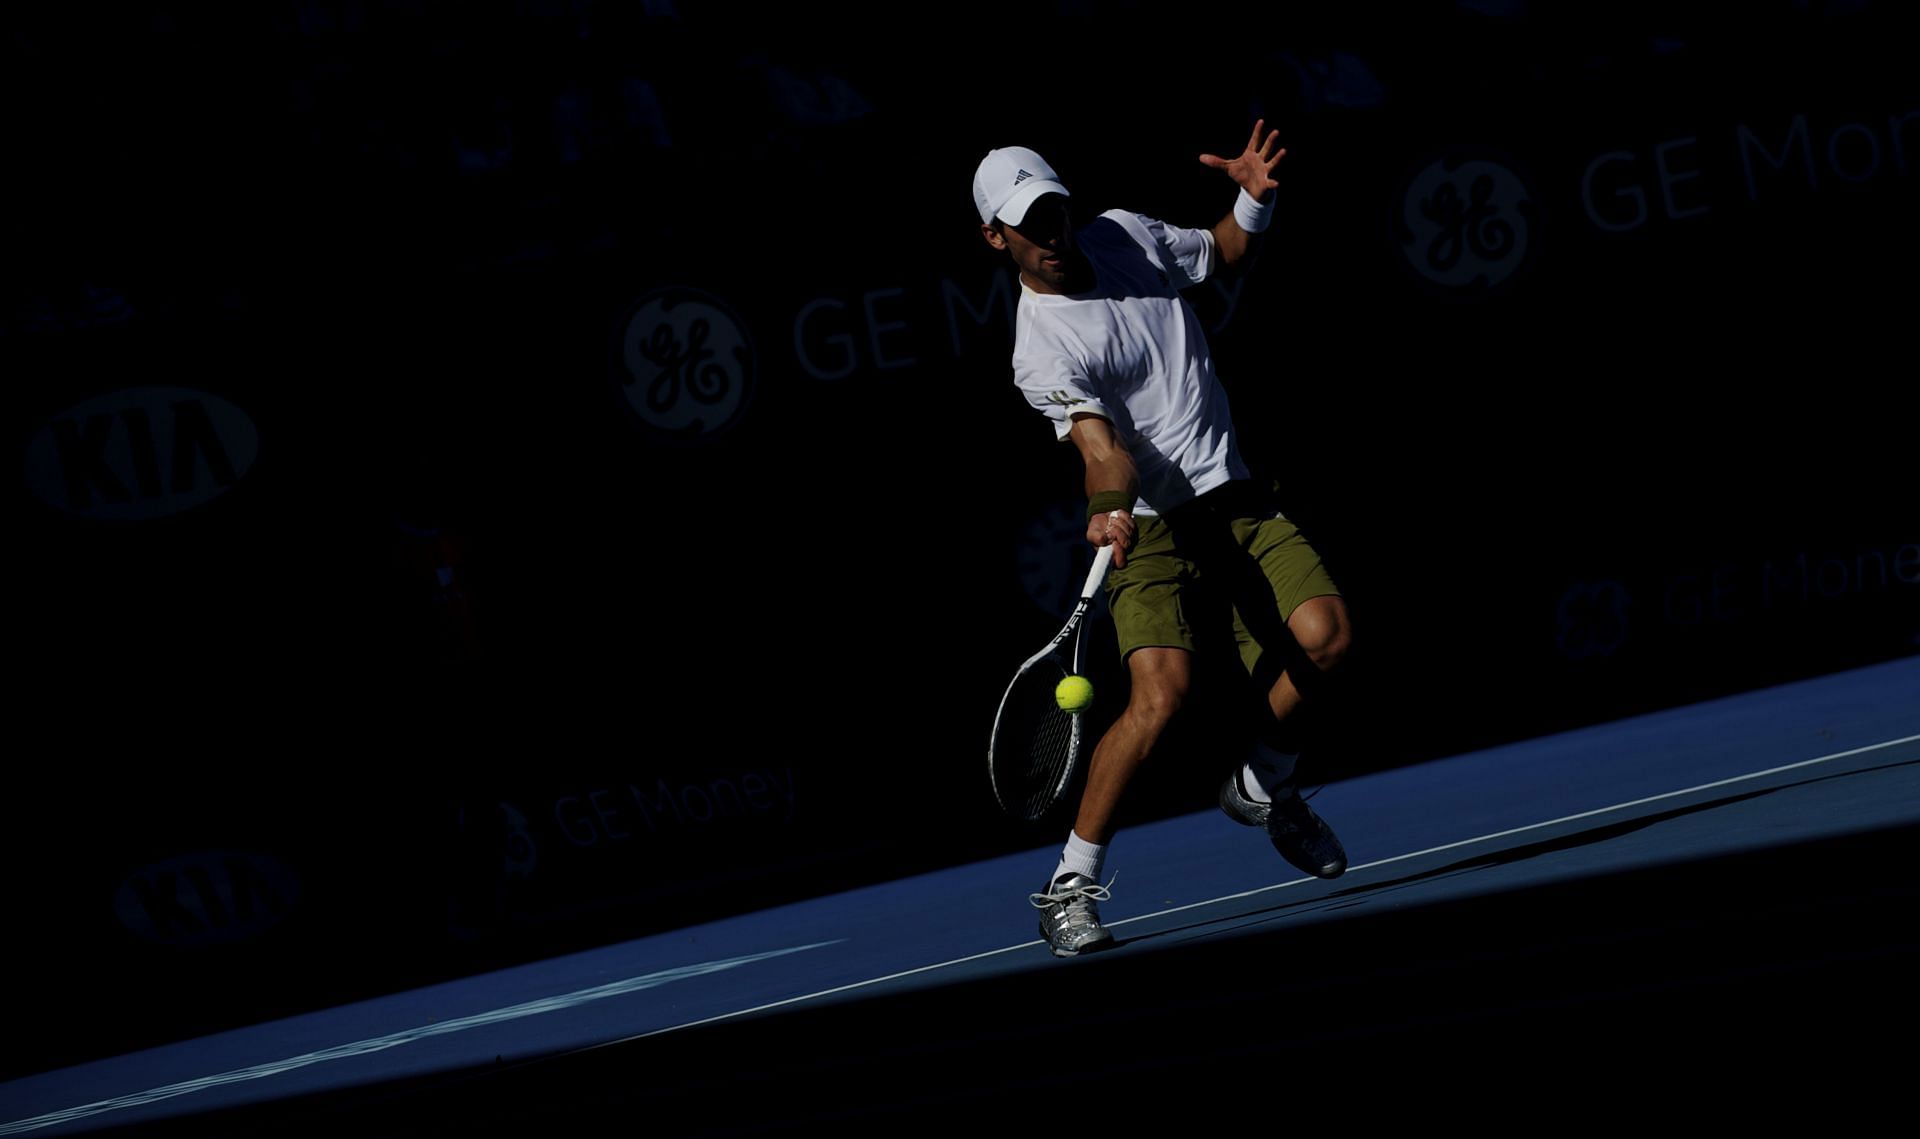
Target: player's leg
<point>1294,631</point>
<point>1154,637</point>
<point>1069,914</point>
<point>1161,679</point>
<point>1154,632</point>
<point>1323,633</point>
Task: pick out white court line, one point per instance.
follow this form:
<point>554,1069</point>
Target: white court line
<point>1264,889</point>
<point>405,1036</point>
<point>1537,826</point>
<point>653,979</point>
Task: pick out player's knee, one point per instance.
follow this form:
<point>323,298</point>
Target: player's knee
<point>1158,701</point>
<point>1323,635</point>
<point>1329,651</point>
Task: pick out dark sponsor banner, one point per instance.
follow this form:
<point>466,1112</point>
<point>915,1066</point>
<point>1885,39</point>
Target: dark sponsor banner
<point>141,453</point>
<point>597,845</point>
<point>206,898</point>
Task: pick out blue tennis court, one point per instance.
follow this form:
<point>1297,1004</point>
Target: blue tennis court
<point>1718,884</point>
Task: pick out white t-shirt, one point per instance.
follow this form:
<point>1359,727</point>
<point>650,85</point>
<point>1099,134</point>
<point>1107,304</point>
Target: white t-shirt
<point>1133,351</point>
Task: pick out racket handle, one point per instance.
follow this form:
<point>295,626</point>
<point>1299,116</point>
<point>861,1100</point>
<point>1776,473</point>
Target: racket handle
<point>1102,558</point>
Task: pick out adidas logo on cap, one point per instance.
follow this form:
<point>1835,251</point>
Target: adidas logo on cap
<point>1011,177</point>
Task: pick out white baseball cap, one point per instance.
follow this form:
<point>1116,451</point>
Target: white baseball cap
<point>1009,180</point>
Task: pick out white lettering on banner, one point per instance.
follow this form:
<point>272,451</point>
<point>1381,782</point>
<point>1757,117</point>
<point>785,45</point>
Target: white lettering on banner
<point>844,360</point>
<point>877,328</point>
<point>1897,131</point>
<point>1628,192</point>
<point>1615,187</point>
<point>1669,171</point>
<point>608,812</point>
<point>1000,298</point>
<point>1669,176</point>
<point>575,821</point>
<point>828,336</point>
<point>836,337</point>
<point>1870,145</point>
<point>835,356</point>
<point>611,815</point>
<point>1592,617</point>
<point>1733,591</point>
<point>1749,143</point>
<point>1803,580</point>
<point>1692,598</point>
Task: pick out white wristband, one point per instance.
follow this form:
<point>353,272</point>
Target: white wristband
<point>1252,215</point>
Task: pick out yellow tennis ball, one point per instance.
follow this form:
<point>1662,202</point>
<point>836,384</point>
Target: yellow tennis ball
<point>1073,693</point>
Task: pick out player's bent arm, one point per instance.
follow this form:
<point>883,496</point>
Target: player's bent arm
<point>1110,470</point>
<point>1109,464</point>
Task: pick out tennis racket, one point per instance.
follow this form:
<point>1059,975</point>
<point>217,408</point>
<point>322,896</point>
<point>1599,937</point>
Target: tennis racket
<point>1035,746</point>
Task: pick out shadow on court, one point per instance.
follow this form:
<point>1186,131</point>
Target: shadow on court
<point>1591,836</point>
<point>1749,984</point>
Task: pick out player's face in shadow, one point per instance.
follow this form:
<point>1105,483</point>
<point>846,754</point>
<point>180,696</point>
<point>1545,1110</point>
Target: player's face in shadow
<point>1042,244</point>
<point>1047,222</point>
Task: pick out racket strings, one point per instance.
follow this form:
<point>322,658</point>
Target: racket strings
<point>1033,753</point>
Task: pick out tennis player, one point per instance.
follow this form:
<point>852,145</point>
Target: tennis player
<point>1108,350</point>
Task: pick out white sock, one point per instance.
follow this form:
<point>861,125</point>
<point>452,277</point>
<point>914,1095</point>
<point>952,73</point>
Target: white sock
<point>1080,857</point>
<point>1264,772</point>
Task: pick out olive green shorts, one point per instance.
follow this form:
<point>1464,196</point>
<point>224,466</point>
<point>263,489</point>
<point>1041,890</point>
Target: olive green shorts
<point>1187,586</point>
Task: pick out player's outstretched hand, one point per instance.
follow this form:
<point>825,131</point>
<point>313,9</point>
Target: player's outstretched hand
<point>1253,169</point>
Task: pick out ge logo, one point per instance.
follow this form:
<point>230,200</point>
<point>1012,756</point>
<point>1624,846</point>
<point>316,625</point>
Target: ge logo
<point>1592,620</point>
<point>686,365</point>
<point>1466,225</point>
<point>1055,557</point>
